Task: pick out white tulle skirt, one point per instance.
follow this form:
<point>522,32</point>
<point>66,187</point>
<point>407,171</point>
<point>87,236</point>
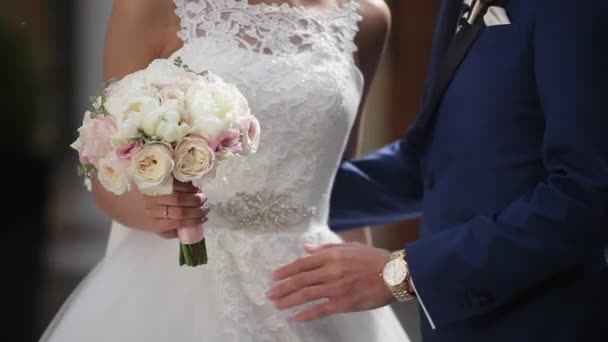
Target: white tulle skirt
<point>139,293</point>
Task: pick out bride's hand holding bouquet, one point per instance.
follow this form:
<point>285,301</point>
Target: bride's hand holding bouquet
<point>165,215</point>
<point>162,132</point>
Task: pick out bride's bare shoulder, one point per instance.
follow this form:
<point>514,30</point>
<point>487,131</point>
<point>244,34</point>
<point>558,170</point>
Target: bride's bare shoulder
<point>376,18</point>
<point>371,40</point>
<point>144,8</point>
<point>149,16</point>
<point>138,32</point>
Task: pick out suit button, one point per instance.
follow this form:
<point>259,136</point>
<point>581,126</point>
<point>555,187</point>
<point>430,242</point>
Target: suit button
<point>428,181</point>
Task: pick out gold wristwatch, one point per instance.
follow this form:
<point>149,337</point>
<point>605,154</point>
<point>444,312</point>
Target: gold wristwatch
<point>396,275</point>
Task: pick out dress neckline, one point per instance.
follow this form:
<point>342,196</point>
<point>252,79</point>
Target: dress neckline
<point>264,6</point>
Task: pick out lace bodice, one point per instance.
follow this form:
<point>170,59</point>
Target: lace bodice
<point>276,29</point>
<point>295,66</point>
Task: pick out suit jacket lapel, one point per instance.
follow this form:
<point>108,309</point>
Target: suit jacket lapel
<point>449,13</point>
<point>449,51</point>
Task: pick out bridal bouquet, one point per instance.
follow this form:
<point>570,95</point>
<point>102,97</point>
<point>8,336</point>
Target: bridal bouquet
<point>163,123</point>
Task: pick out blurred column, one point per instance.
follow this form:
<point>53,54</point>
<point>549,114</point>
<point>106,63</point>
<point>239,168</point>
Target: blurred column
<point>79,230</point>
<point>91,22</point>
<point>27,144</point>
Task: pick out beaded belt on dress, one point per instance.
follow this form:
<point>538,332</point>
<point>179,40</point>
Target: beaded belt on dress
<point>264,211</point>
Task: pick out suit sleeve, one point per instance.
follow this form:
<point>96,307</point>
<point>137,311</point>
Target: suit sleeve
<point>561,222</point>
<point>382,187</point>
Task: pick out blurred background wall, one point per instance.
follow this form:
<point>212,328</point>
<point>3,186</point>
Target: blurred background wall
<point>54,48</point>
<point>36,40</point>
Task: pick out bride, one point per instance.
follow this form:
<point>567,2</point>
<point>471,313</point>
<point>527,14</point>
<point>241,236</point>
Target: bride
<point>305,66</point>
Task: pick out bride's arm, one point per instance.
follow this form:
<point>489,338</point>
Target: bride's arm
<point>140,31</point>
<point>371,42</point>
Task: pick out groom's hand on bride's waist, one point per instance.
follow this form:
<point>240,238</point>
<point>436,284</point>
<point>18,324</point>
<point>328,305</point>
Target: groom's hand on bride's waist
<point>345,275</point>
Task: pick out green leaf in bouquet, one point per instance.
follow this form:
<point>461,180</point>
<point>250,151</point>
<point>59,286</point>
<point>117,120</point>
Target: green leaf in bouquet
<point>145,138</point>
<point>178,62</point>
<point>141,140</point>
<point>87,170</point>
<point>99,104</point>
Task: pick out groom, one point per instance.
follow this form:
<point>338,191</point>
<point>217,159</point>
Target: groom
<point>508,164</point>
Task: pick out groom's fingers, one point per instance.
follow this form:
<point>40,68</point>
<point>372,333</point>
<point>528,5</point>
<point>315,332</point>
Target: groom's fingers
<point>320,311</point>
<point>316,249</point>
<point>301,265</point>
<point>294,284</point>
<point>302,296</point>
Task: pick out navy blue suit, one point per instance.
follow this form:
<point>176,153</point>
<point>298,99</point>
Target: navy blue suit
<point>511,181</point>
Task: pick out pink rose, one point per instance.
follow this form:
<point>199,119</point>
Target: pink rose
<point>194,158</point>
<point>250,128</point>
<point>128,150</point>
<point>228,141</point>
<point>93,144</point>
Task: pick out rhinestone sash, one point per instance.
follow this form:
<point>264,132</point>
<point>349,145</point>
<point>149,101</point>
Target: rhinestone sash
<point>264,211</point>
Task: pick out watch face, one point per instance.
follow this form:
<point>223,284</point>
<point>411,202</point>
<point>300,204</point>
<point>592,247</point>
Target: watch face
<point>395,272</point>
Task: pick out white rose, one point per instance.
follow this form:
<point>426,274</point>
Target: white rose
<point>178,95</point>
<point>123,107</point>
<point>163,72</point>
<point>112,175</point>
<point>131,84</point>
<point>152,167</point>
<point>128,130</point>
<point>229,100</point>
<point>199,100</point>
<point>173,93</point>
<point>130,87</point>
<point>165,123</point>
<point>210,127</point>
<point>214,107</point>
<point>193,159</point>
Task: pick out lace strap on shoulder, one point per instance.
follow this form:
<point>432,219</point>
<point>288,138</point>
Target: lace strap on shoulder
<point>192,12</point>
<point>180,12</point>
<point>352,7</point>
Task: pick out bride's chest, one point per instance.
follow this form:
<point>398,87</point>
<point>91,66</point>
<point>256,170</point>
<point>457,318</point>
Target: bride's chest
<point>282,90</point>
<point>289,61</point>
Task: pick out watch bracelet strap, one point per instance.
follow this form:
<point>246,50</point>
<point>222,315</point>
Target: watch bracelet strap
<point>397,255</point>
<point>401,291</point>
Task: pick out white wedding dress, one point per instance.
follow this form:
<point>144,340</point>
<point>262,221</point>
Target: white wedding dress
<point>295,66</point>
